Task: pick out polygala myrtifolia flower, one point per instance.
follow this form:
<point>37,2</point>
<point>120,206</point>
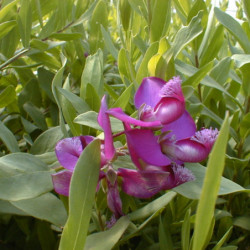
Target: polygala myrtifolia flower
<point>159,159</point>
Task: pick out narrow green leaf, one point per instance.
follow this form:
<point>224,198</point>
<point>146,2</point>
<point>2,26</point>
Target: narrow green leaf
<point>66,36</point>
<point>57,82</point>
<point>78,103</point>
<point>185,231</point>
<point>161,16</point>
<point>125,13</point>
<point>211,49</point>
<point>125,65</point>
<point>99,17</point>
<point>6,10</point>
<point>69,113</point>
<point>246,7</point>
<point>6,27</point>
<point>7,96</point>
<point>106,240</point>
<point>36,115</point>
<point>90,119</point>
<point>186,34</point>
<point>210,188</point>
<point>221,70</point>
<point>123,100</point>
<point>165,240</point>
<point>143,68</point>
<point>25,22</point>
<point>196,78</point>
<point>109,43</point>
<point>81,198</point>
<point>152,207</point>
<point>92,74</point>
<point>223,239</point>
<point>8,138</point>
<point>234,28</point>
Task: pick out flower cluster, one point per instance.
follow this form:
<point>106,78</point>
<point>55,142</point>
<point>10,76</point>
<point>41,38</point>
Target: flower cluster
<point>159,143</point>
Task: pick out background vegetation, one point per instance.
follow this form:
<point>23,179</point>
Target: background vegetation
<point>58,58</point>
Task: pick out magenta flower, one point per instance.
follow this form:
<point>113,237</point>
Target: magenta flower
<point>150,179</point>
<point>68,151</point>
<point>158,100</point>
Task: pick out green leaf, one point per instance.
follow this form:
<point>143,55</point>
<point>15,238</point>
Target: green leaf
<point>45,79</point>
<point>165,240</point>
<point>99,17</point>
<point>66,36</point>
<point>6,27</point>
<point>47,141</point>
<point>125,13</point>
<point>246,7</point>
<point>57,82</point>
<point>161,16</point>
<point>106,240</point>
<point>152,207</point>
<point>221,70</point>
<point>185,231</point>
<point>25,22</point>
<point>223,239</point>
<point>192,190</point>
<point>16,170</point>
<point>210,189</point>
<point>92,98</point>
<point>109,43</point>
<point>81,7</point>
<point>7,208</point>
<point>4,12</point>
<point>45,207</point>
<point>143,68</point>
<point>36,115</point>
<point>7,96</point>
<point>213,47</point>
<point>69,112</point>
<point>92,74</point>
<point>234,28</point>
<point>186,34</point>
<point>81,198</point>
<point>90,119</point>
<point>125,65</point>
<point>123,100</point>
<point>242,222</point>
<point>196,78</point>
<point>77,102</point>
<point>8,138</point>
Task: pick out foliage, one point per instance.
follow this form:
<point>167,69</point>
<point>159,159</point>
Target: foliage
<point>58,58</point>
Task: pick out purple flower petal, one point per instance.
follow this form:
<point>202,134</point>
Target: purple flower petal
<point>143,145</point>
<point>182,128</point>
<point>61,182</point>
<point>142,184</point>
<point>114,200</point>
<point>169,110</point>
<point>68,150</point>
<point>181,175</point>
<point>103,120</point>
<point>148,92</point>
<point>119,114</point>
<point>186,150</point>
<point>113,196</point>
<point>173,89</point>
<point>206,136</point>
